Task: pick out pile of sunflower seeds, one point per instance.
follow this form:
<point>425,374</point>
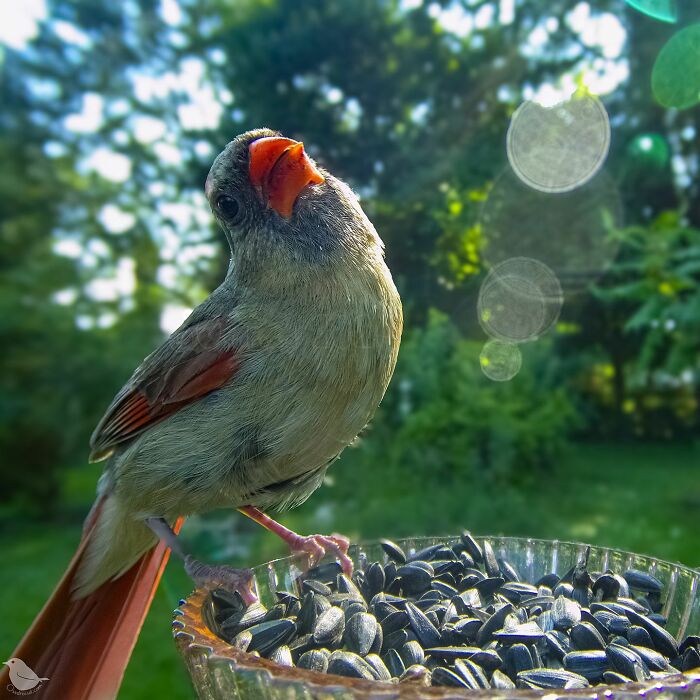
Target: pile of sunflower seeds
<point>455,615</point>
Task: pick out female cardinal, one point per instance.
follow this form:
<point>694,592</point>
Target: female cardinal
<point>245,405</point>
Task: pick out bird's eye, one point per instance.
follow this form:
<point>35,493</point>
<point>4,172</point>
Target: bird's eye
<point>228,207</point>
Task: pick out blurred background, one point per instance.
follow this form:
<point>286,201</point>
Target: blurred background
<point>110,116</point>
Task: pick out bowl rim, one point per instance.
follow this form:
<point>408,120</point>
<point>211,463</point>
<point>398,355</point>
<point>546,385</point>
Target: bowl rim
<point>191,633</point>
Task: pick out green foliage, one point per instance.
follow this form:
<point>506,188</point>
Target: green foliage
<point>645,313</point>
<point>444,427</point>
<point>659,276</point>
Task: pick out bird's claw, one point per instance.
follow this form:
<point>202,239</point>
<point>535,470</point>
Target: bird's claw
<point>241,580</point>
<point>317,546</point>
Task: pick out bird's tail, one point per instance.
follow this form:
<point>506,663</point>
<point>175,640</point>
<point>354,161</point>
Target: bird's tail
<point>83,638</point>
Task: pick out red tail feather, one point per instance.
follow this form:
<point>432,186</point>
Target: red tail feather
<point>83,646</point>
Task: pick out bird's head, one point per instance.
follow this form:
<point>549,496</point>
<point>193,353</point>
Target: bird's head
<point>12,662</point>
<point>278,208</point>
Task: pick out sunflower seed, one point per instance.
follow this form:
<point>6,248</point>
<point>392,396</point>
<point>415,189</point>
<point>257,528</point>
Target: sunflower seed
<point>360,632</point>
<point>565,613</point>
<point>589,664</point>
<point>472,547</point>
<point>468,627</point>
<point>545,678</point>
<point>395,640</point>
<point>663,641</point>
<point>426,632</point>
<point>548,580</point>
<point>327,573</point>
<point>300,645</point>
<point>243,619</point>
<point>528,633</point>
<point>558,644</point>
<point>613,677</point>
<point>268,635</point>
<point>319,587</point>
<point>488,586</point>
<point>375,578</point>
<point>490,561</point>
<point>330,626</point>
<point>381,672</point>
<point>690,660</point>
<point>282,656</point>
<point>345,663</point>
<point>450,653</point>
<point>517,658</point>
<point>394,621</point>
<point>586,636</point>
<point>500,681</point>
<point>606,587</point>
<point>466,667</point>
<point>411,653</point>
<point>642,581</point>
<point>394,663</point>
<point>427,553</point>
<point>494,623</point>
<point>443,676</point>
<point>242,640</point>
<point>652,658</point>
<point>314,660</point>
<point>225,600</point>
<point>393,551</point>
<point>353,609</point>
<point>639,636</point>
<point>692,640</point>
<point>627,662</point>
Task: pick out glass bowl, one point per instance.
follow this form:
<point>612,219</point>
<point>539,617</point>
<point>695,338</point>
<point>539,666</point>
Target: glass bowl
<point>220,671</point>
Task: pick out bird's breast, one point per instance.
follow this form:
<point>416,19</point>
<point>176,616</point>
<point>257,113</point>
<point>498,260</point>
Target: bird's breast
<point>327,362</point>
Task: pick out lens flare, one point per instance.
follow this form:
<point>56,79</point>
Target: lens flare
<point>558,148</point>
<point>500,361</point>
<point>675,78</point>
<point>663,10</point>
<point>519,300</point>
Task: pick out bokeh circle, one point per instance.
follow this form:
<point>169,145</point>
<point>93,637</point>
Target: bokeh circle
<point>519,300</point>
<point>663,10</point>
<point>500,361</point>
<point>558,148</point>
<point>675,77</point>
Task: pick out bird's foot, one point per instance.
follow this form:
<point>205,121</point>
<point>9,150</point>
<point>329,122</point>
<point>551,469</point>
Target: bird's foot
<point>317,546</point>
<point>314,546</point>
<point>240,580</point>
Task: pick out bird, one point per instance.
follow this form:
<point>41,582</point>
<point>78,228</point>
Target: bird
<point>21,676</point>
<point>246,405</point>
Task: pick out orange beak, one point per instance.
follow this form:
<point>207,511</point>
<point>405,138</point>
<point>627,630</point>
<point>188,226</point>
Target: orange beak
<point>280,168</point>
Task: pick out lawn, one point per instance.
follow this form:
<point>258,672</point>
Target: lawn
<point>640,497</point>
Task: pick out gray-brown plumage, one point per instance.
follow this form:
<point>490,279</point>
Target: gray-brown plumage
<point>267,381</point>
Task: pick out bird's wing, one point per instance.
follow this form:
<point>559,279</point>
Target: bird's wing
<point>189,365</point>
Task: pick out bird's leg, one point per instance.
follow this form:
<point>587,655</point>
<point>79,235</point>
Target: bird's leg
<point>240,580</point>
<point>313,545</point>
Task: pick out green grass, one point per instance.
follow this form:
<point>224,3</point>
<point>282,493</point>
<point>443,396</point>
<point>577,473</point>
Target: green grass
<point>638,497</point>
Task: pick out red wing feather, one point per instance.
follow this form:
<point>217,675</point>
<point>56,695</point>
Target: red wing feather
<point>174,376</point>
